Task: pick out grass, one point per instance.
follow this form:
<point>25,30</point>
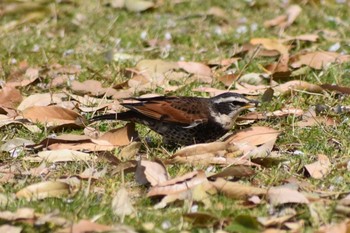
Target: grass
<point>80,33</point>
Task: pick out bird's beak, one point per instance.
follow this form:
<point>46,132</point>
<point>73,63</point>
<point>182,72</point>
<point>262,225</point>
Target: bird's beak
<point>252,104</point>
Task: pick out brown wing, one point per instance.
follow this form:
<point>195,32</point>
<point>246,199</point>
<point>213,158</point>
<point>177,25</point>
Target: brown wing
<point>185,110</point>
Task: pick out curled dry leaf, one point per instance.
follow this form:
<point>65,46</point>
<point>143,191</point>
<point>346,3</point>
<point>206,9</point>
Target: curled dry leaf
<point>195,68</point>
<point>52,115</point>
<point>283,195</point>
<point>275,114</point>
<point>10,97</point>
<point>297,85</point>
<point>64,156</point>
<point>234,171</point>
<point>84,226</point>
<point>151,172</point>
<point>342,227</point>
<point>10,229</point>
<point>22,80</point>
<point>20,214</point>
<point>129,152</point>
<point>202,148</point>
<point>44,190</point>
<point>318,60</point>
<point>320,168</point>
<point>178,184</point>
<point>256,135</point>
<point>118,137</point>
<point>285,20</point>
<point>92,87</point>
<point>121,204</point>
<point>271,44</point>
<point>236,190</point>
<point>92,173</point>
<point>41,99</point>
<point>138,5</point>
<point>5,121</point>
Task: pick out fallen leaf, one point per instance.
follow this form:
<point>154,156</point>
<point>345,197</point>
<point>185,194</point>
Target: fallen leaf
<point>44,190</point>
<point>10,97</point>
<point>342,227</point>
<point>195,68</point>
<point>320,168</point>
<point>201,219</point>
<point>297,85</point>
<point>10,229</point>
<point>256,135</point>
<point>234,171</point>
<point>285,20</point>
<point>271,115</point>
<point>41,99</point>
<point>91,87</point>
<point>138,5</point>
<point>202,148</point>
<point>151,172</point>
<point>64,155</point>
<point>121,204</point>
<point>93,173</point>
<point>130,151</point>
<point>318,59</point>
<point>118,137</point>
<point>23,79</point>
<point>52,115</point>
<point>271,44</point>
<point>236,190</point>
<point>85,226</point>
<point>178,184</point>
<point>20,214</point>
<point>7,121</point>
<point>283,195</point>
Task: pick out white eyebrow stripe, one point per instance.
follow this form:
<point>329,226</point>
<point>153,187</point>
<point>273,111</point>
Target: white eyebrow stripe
<point>231,99</point>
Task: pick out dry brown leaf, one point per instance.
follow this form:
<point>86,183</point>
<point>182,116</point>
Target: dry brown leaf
<point>138,5</point>
<point>195,68</point>
<point>284,21</point>
<point>320,168</point>
<point>85,146</point>
<point>10,229</point>
<point>255,136</point>
<point>52,115</point>
<point>318,60</point>
<point>151,172</point>
<point>84,226</point>
<point>317,120</point>
<point>64,156</point>
<point>10,97</point>
<point>342,227</point>
<point>20,214</point>
<point>93,173</point>
<point>118,137</point>
<point>92,87</point>
<point>275,114</point>
<point>297,85</point>
<point>6,121</point>
<point>234,171</point>
<point>43,99</point>
<point>283,195</point>
<point>202,148</point>
<point>271,44</point>
<point>130,151</point>
<point>236,190</point>
<point>121,204</point>
<point>44,190</point>
<point>178,184</point>
<point>23,79</point>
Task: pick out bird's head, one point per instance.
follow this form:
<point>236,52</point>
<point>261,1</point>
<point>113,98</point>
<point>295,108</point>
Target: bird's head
<point>227,107</point>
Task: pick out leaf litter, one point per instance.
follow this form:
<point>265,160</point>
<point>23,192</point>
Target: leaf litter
<point>225,167</point>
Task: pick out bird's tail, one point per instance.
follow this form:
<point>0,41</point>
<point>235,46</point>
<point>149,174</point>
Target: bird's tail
<point>112,116</point>
<point>122,116</point>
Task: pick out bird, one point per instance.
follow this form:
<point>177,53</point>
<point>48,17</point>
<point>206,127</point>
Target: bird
<point>184,120</point>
